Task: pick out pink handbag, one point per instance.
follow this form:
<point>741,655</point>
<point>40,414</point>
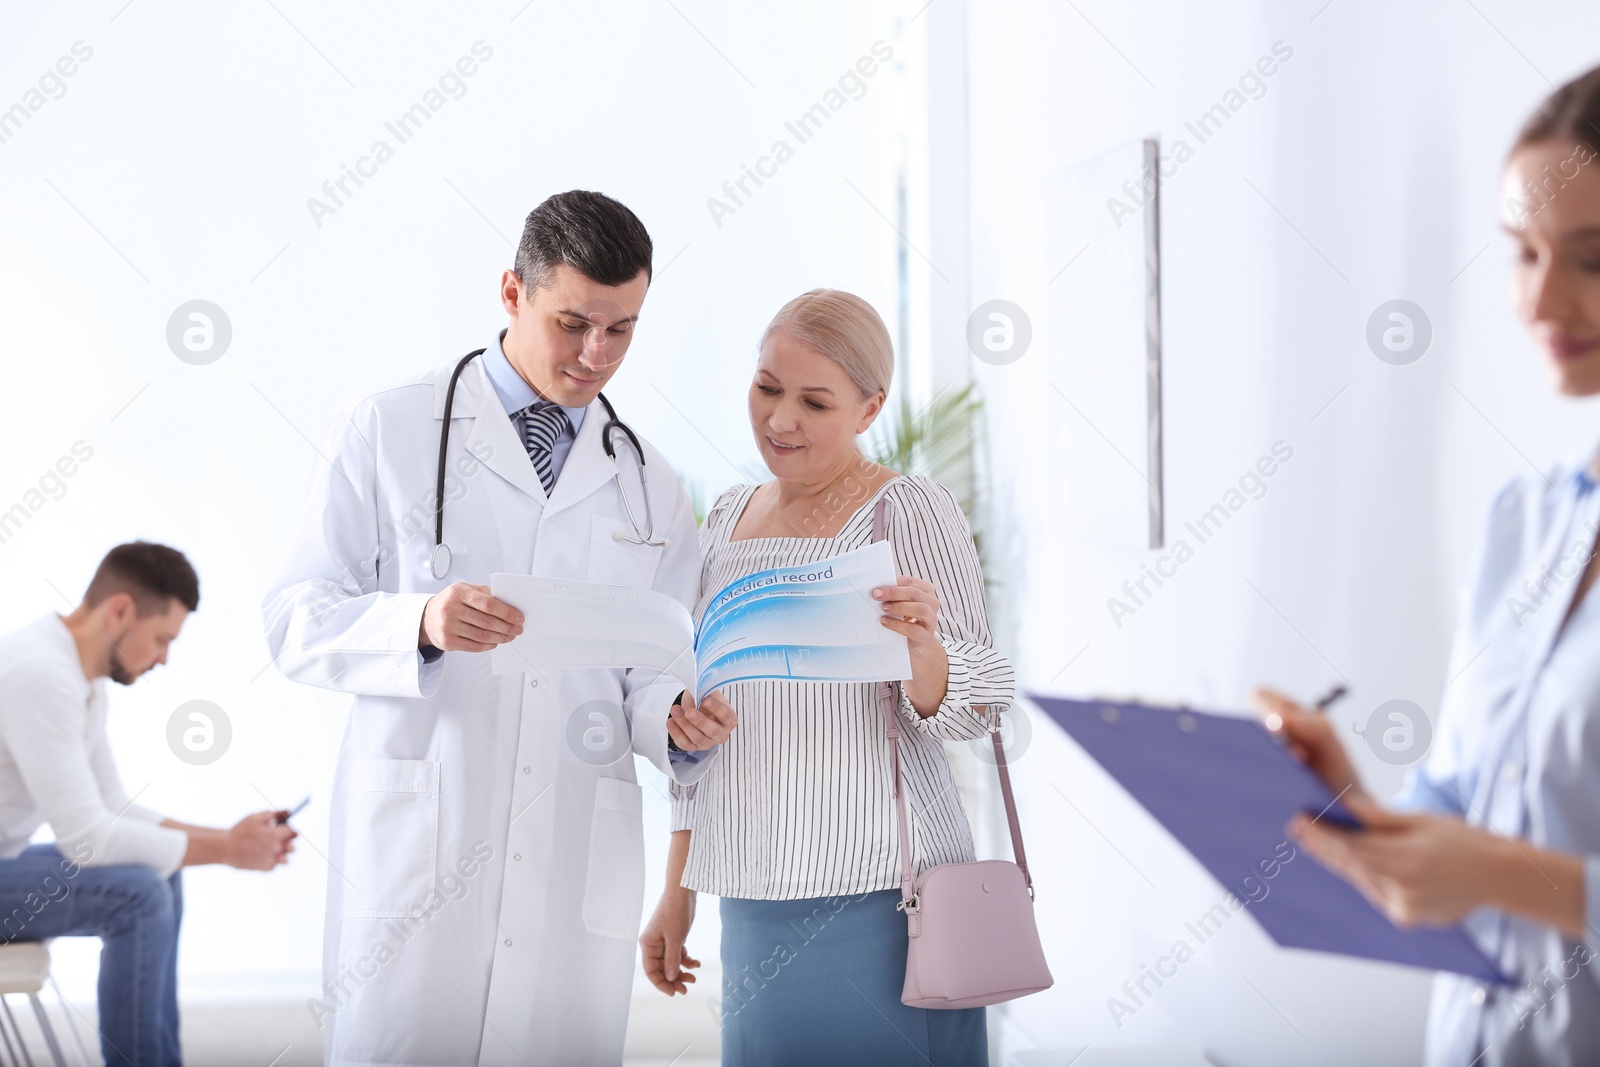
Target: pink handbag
<point>973,936</point>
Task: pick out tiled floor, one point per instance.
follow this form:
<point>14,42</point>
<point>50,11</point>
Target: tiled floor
<point>284,1035</point>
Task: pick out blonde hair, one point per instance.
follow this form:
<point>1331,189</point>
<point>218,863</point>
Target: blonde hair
<point>846,329</point>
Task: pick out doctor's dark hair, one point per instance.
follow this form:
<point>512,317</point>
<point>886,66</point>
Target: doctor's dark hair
<point>1572,112</point>
<point>593,234</point>
<point>154,575</point>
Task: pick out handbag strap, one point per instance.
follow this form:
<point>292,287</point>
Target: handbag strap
<point>886,697</point>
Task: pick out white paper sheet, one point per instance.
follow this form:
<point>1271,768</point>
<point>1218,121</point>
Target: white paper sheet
<point>816,622</point>
<point>584,624</point>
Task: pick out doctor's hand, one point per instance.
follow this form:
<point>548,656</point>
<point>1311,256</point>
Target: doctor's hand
<point>695,729</point>
<point>259,842</point>
<point>661,952</point>
<point>1311,740</point>
<point>465,618</point>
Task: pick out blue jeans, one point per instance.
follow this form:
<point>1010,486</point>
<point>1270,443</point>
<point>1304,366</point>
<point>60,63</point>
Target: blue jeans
<point>136,913</point>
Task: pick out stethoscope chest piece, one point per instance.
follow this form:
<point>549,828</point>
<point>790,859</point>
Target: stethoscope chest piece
<point>439,562</point>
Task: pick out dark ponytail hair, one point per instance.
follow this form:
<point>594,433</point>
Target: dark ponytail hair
<point>1571,113</point>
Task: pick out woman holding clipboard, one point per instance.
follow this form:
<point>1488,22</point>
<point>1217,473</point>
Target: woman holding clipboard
<point>1500,828</point>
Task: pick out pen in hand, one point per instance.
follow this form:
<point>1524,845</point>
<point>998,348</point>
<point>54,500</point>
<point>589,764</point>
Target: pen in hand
<point>285,816</point>
<point>1330,698</point>
<point>1274,721</point>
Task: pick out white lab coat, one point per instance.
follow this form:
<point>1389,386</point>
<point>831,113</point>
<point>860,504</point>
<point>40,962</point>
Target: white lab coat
<point>485,880</point>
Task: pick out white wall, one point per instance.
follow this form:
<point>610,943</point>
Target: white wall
<point>178,162</point>
<point>1380,142</point>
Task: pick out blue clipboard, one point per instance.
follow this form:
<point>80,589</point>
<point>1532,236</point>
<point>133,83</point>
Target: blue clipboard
<point>1225,788</point>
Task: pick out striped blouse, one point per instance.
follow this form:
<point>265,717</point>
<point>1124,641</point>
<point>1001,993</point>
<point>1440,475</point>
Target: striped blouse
<point>800,803</point>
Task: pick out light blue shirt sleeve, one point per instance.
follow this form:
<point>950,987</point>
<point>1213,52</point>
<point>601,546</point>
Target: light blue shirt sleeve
<point>1516,753</point>
<point>1423,793</point>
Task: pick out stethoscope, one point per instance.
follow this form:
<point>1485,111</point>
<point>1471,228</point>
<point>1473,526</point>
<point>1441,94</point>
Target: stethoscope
<point>439,563</point>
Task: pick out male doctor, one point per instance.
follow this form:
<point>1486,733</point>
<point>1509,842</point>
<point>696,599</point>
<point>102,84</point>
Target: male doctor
<point>486,855</point>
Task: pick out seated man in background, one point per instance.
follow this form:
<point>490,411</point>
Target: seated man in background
<point>112,871</point>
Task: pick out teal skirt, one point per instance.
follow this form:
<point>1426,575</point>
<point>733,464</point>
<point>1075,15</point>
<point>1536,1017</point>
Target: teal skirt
<point>818,981</point>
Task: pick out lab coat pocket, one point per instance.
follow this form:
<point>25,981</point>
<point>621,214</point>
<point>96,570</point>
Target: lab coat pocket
<point>613,891</point>
<point>391,836</point>
<point>615,560</point>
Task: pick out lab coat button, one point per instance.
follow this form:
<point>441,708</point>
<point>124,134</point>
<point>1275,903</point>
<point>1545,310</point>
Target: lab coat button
<point>508,945</point>
<point>527,770</point>
<point>1479,995</point>
<point>533,683</point>
<point>1512,771</point>
<point>516,856</point>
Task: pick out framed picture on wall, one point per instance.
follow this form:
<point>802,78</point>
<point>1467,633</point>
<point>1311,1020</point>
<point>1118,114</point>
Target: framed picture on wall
<point>1105,348</point>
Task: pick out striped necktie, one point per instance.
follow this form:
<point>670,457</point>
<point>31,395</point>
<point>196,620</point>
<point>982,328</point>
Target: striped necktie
<point>543,423</point>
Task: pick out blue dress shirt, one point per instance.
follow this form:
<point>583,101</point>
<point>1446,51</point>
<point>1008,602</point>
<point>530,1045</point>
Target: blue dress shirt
<point>1518,753</point>
<point>516,394</point>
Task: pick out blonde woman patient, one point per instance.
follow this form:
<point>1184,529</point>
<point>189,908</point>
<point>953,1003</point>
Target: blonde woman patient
<point>793,826</point>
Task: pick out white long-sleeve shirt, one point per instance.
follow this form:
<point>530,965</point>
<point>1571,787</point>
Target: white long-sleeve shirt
<point>56,765</point>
